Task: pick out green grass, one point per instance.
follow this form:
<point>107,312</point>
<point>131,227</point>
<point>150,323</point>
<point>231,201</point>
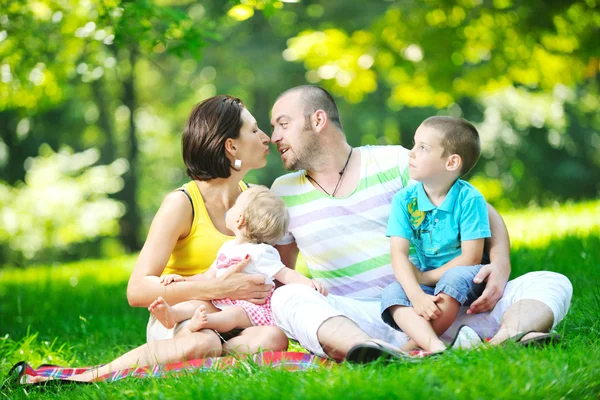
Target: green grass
<point>77,314</point>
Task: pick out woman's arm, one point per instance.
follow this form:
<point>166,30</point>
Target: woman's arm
<point>172,222</point>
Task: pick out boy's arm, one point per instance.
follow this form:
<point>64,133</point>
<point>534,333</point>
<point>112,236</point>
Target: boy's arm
<point>406,273</point>
<point>471,254</point>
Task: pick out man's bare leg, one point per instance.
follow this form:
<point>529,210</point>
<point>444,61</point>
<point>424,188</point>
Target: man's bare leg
<point>524,316</point>
<point>337,335</point>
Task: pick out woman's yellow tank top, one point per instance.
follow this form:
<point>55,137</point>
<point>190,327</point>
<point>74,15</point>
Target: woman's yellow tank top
<point>196,252</point>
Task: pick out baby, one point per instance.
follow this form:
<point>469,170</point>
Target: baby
<point>258,219</point>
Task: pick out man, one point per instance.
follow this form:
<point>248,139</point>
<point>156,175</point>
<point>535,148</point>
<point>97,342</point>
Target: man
<point>339,202</point>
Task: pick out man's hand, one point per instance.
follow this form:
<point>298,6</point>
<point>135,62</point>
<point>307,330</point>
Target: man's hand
<point>239,286</point>
<point>495,278</point>
<point>167,279</point>
<point>425,306</point>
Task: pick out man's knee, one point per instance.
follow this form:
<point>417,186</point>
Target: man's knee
<point>339,334</point>
<point>551,288</point>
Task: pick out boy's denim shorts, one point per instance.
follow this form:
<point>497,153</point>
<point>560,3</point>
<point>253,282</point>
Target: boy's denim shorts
<point>456,283</point>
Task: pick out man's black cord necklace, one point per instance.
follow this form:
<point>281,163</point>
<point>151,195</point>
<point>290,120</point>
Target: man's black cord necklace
<point>339,180</point>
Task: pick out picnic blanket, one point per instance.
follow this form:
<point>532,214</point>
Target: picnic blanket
<point>290,361</point>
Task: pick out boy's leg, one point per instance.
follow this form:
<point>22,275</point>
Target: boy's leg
<point>415,326</point>
<point>222,321</point>
<point>396,311</point>
<point>449,308</point>
<point>169,315</point>
<point>455,288</point>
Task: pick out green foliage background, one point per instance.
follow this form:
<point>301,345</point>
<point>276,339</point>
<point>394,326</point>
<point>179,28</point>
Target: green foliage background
<point>120,77</point>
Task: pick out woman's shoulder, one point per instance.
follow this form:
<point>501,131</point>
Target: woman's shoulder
<point>177,206</point>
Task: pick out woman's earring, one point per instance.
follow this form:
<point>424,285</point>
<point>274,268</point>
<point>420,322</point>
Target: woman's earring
<point>237,164</point>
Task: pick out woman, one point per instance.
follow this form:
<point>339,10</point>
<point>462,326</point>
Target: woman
<point>221,143</point>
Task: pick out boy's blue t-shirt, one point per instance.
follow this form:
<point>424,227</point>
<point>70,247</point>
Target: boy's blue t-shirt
<point>436,232</point>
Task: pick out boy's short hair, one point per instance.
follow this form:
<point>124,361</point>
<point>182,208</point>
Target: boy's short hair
<point>266,216</point>
<point>459,137</point>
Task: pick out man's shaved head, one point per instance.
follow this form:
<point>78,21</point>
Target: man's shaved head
<point>315,98</point>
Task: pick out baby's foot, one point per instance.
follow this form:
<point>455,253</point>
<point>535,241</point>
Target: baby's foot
<point>199,320</point>
<point>163,312</point>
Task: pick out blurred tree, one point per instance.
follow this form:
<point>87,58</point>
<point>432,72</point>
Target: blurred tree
<point>122,76</point>
<point>71,56</point>
<point>486,61</point>
<point>69,75</point>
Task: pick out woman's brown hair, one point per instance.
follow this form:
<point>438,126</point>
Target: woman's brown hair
<point>209,125</point>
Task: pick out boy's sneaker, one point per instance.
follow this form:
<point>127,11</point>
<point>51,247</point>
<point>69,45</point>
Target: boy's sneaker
<point>466,338</point>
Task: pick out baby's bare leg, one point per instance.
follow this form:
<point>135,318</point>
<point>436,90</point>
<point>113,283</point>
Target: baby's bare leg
<point>222,321</point>
<point>169,315</point>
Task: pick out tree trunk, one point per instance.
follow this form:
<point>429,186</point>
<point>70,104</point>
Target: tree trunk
<point>108,150</point>
<point>131,221</point>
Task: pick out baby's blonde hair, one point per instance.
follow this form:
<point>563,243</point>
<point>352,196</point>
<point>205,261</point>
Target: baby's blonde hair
<point>266,216</point>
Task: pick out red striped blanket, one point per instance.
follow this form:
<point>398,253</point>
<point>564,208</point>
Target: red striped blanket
<point>291,361</point>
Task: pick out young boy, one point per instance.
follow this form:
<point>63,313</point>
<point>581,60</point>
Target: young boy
<point>446,221</point>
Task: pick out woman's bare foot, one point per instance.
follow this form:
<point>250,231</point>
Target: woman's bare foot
<point>199,320</point>
<point>163,312</point>
<point>34,379</point>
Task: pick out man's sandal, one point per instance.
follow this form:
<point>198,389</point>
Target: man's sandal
<point>371,351</point>
<point>538,341</point>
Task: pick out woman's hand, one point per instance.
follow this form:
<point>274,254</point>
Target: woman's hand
<point>167,279</point>
<point>239,286</point>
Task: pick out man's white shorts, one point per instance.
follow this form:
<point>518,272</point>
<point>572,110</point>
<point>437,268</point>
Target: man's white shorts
<point>300,310</point>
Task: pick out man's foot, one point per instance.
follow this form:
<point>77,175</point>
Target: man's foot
<point>524,338</point>
<point>199,320</point>
<point>163,312</point>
